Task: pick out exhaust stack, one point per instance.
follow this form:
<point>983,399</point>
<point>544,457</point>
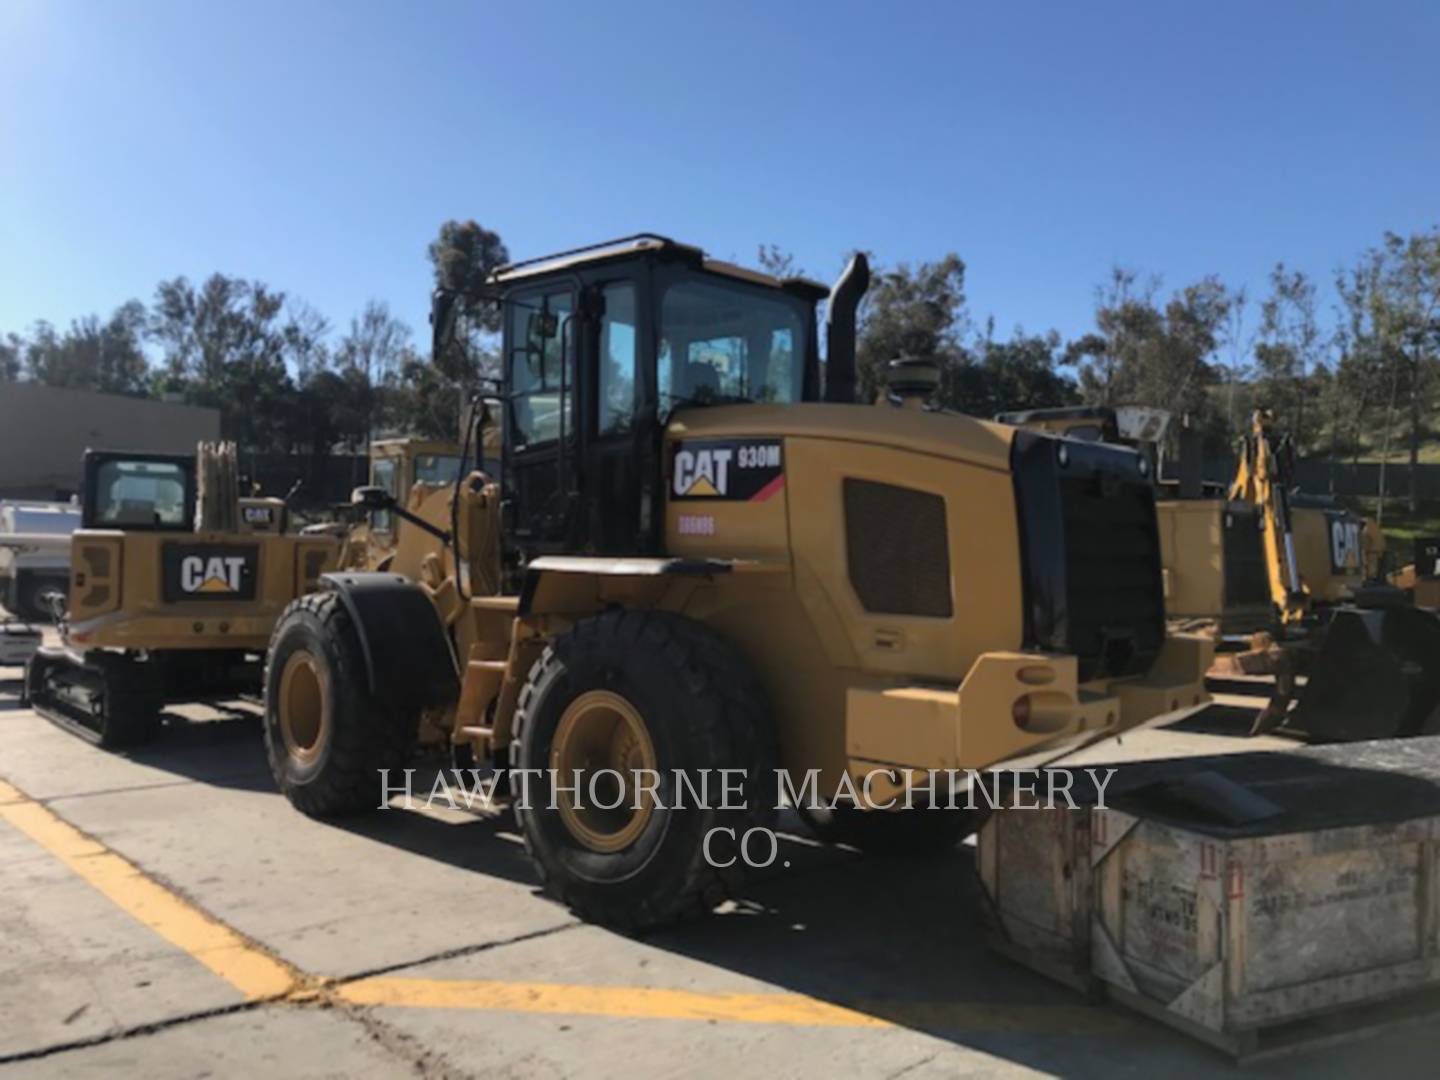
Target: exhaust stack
<point>840,380</point>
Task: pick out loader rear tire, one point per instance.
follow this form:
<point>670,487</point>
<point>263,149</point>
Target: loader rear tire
<point>326,736</point>
<point>919,831</point>
<point>628,690</point>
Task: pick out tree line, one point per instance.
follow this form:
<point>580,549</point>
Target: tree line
<point>284,377</point>
<point>1360,382</point>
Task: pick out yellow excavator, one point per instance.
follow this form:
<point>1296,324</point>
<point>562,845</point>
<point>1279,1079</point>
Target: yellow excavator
<point>1369,656</point>
<point>175,583</point>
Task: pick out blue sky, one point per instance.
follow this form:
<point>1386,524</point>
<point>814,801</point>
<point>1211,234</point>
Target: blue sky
<point>317,145</point>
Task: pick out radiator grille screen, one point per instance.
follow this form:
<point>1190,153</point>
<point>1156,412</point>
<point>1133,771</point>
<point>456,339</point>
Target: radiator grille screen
<point>898,549</point>
<point>1112,570</point>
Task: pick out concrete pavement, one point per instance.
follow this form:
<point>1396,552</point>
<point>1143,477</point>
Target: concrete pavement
<point>413,944</point>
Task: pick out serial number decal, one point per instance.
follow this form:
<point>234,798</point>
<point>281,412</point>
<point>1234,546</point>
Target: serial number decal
<point>696,525</point>
<point>735,470</point>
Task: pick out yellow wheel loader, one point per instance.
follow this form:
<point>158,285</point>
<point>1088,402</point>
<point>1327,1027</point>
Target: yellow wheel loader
<point>175,584</point>
<point>705,574</point>
<point>401,468</point>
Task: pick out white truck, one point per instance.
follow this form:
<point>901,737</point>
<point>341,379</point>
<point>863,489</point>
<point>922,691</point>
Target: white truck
<point>35,555</point>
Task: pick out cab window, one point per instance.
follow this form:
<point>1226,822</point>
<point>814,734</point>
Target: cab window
<point>141,494</point>
<point>437,468</point>
<point>384,474</point>
<point>723,342</point>
<point>617,361</point>
<point>542,357</point>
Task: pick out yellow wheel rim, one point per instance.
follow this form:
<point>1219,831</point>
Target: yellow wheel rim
<point>602,740</point>
<point>304,717</point>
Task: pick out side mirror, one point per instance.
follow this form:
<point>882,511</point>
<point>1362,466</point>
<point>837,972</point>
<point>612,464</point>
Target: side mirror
<point>442,321</point>
<point>540,327</point>
<point>372,498</point>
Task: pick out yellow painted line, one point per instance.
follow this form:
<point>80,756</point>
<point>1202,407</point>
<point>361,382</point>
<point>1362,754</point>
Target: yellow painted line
<point>648,1003</point>
<point>239,962</point>
<point>260,976</point>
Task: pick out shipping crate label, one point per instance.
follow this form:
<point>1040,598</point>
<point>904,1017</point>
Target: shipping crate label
<point>1167,913</point>
<point>1164,918</point>
<point>1333,914</point>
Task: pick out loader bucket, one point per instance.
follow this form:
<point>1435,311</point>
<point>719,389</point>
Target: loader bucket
<point>1377,676</point>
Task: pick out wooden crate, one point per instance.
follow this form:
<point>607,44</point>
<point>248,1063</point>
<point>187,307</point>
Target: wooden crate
<point>1231,938</point>
<point>1034,870</point>
<point>1315,923</point>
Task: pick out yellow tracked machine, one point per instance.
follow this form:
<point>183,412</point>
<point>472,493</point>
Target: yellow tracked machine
<point>175,584</point>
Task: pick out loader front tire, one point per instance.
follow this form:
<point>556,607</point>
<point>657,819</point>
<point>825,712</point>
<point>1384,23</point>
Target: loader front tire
<point>618,697</point>
<point>327,737</point>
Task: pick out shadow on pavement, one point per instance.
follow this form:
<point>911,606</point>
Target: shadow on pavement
<point>227,752</point>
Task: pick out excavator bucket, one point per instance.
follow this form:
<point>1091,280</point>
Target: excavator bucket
<point>1377,676</point>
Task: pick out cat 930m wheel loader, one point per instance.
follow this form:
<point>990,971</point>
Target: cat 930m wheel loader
<point>175,584</point>
<point>703,562</point>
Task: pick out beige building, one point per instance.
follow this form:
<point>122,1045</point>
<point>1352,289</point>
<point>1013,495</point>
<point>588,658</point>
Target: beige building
<point>44,431</point>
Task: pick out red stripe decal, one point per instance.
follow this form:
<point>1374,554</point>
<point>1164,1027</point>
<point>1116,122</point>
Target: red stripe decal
<point>769,489</point>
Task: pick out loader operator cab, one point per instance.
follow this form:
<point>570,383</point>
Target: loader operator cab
<point>601,346</point>
<point>397,465</point>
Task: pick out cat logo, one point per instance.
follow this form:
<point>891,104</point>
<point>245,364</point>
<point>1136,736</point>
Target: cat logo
<point>735,470</point>
<point>217,574</point>
<point>703,473</point>
<point>209,571</point>
<point>1344,544</point>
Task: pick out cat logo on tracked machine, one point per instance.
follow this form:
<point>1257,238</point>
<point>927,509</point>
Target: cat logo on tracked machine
<point>212,575</point>
<point>735,470</point>
<point>1345,551</point>
<point>209,571</point>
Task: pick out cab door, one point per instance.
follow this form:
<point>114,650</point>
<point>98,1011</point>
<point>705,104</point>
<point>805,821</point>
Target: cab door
<point>542,445</point>
<point>614,420</point>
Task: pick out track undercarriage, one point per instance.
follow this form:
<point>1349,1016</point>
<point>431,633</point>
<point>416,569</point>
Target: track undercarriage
<point>115,699</point>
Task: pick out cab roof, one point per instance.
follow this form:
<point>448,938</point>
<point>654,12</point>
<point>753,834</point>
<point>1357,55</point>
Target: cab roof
<point>629,246</point>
